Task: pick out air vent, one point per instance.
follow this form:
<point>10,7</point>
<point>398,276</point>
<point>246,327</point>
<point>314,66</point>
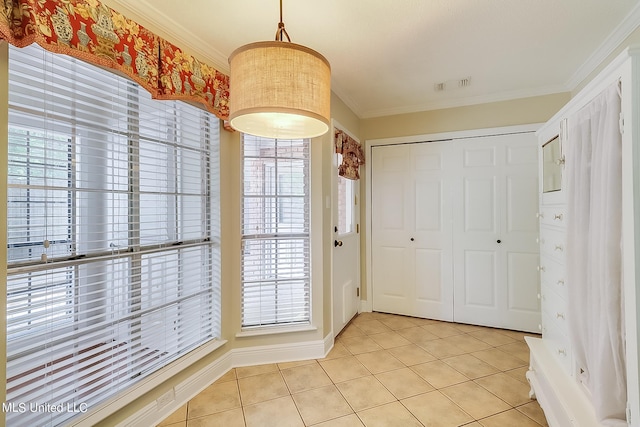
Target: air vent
<point>464,82</point>
<point>452,84</point>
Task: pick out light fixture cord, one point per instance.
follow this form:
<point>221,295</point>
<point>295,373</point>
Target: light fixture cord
<point>281,31</point>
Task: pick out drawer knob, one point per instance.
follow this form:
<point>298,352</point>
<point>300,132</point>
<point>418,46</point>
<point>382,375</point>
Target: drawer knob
<point>541,268</point>
<point>561,282</point>
<point>558,217</point>
<point>559,248</point>
<point>540,215</point>
<point>562,352</point>
<point>560,316</point>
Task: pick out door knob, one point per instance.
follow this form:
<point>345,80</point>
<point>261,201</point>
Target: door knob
<point>499,241</point>
<point>337,243</point>
<point>412,239</point>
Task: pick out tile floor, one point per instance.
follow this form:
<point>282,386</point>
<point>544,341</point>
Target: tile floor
<point>384,371</point>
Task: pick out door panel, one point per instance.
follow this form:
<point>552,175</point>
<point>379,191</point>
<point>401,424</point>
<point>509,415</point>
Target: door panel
<point>410,210</point>
<point>346,254</point>
<point>495,257</point>
<point>454,230</point>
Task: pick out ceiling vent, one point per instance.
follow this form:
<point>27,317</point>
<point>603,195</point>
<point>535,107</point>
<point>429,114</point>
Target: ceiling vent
<point>452,84</point>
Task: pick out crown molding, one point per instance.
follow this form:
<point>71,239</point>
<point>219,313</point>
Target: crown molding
<point>628,25</point>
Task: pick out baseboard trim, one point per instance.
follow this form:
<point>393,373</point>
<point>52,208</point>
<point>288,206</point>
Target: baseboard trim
<point>153,413</point>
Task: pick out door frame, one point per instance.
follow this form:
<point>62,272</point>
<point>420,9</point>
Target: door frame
<point>367,305</point>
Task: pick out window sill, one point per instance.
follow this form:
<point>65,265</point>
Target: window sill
<point>273,330</point>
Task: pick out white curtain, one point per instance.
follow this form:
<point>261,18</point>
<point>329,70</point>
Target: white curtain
<point>593,174</point>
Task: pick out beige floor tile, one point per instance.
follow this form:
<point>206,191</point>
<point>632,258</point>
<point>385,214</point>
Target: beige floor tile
<point>467,343</point>
<point>509,389</point>
<point>178,416</point>
<point>398,322</point>
<point>337,352</point>
<point>357,345</point>
<point>348,421</point>
<point>388,340</point>
<point>305,377</point>
<point>441,348</point>
<point>289,365</point>
<point>436,410</point>
<point>180,424</point>
<point>321,404</point>
<point>258,388</point>
<point>417,334</point>
<point>364,393</point>
<point>280,412</point>
<point>213,399</point>
<point>519,374</point>
<point>422,322</point>
<point>232,418</point>
<point>351,331</point>
<point>517,335</point>
<point>248,371</point>
<point>492,337</point>
<point>412,355</point>
<point>475,400</point>
<point>469,328</point>
<point>499,359</point>
<point>404,383</point>
<point>344,369</point>
<point>517,349</point>
<point>443,329</point>
<point>390,415</point>
<point>439,374</point>
<point>372,327</point>
<point>508,418</point>
<point>470,366</point>
<point>534,411</point>
<point>229,376</point>
<point>379,361</point>
<point>364,317</point>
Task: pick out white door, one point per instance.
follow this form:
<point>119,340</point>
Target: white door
<point>495,230</point>
<point>346,249</point>
<point>411,230</point>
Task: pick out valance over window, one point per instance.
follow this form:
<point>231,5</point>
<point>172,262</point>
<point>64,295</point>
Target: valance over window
<point>88,30</point>
<point>352,155</point>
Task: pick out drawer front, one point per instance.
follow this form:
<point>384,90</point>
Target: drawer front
<point>558,344</point>
<point>555,308</point>
<point>553,243</point>
<point>552,275</point>
<point>554,215</point>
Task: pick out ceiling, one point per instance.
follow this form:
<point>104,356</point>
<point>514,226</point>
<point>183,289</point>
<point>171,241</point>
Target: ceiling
<point>388,56</point>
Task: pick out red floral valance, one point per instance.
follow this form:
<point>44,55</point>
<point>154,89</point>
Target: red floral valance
<point>352,154</point>
<point>89,30</point>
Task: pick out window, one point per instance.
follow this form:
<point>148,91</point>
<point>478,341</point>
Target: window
<point>275,228</point>
<point>113,254</point>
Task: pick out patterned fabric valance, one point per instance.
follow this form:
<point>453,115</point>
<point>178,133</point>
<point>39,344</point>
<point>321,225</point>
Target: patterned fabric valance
<point>352,154</point>
<point>89,30</point>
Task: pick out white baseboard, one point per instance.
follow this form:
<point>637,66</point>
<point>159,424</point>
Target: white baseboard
<point>152,414</point>
<point>365,306</point>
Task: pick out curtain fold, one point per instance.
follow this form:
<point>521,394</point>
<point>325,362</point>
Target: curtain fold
<point>593,176</point>
<point>89,30</point>
<point>352,155</point>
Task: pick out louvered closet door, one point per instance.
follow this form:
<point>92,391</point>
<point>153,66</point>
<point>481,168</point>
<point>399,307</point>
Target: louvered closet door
<point>495,230</point>
<point>411,230</point>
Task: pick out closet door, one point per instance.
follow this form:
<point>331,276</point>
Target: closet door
<point>495,230</point>
<point>411,230</point>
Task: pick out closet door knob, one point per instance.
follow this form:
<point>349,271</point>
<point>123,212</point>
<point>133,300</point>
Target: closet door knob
<point>412,239</point>
<point>499,241</point>
<point>337,243</point>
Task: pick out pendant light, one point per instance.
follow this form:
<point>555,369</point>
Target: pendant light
<point>279,89</point>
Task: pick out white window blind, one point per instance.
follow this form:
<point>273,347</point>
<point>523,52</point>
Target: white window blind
<point>113,254</point>
<point>275,228</point>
